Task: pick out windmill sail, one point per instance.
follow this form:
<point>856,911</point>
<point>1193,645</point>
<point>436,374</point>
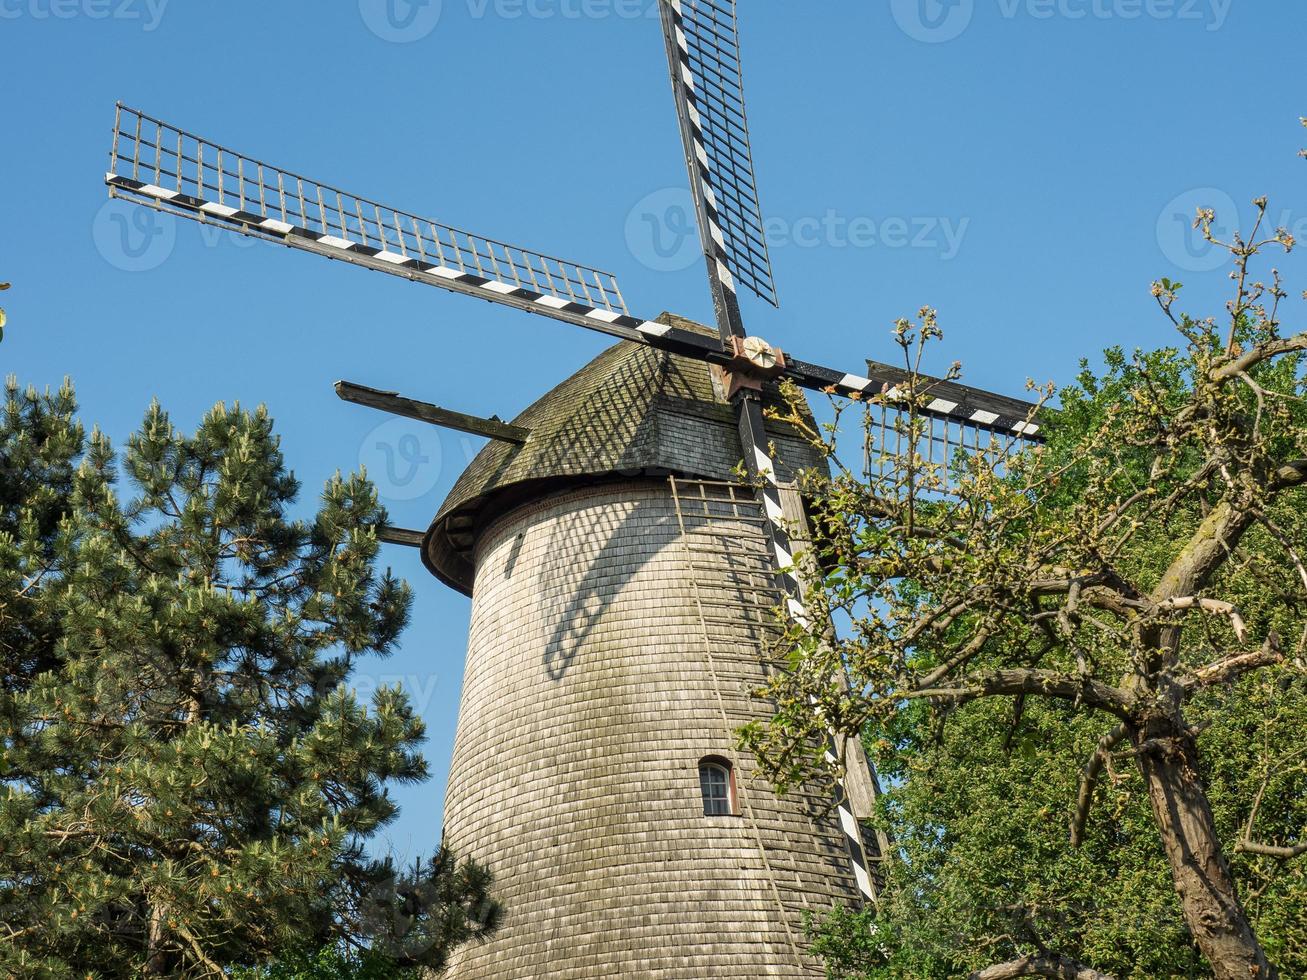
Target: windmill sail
<point>160,164</point>
<point>703,49</point>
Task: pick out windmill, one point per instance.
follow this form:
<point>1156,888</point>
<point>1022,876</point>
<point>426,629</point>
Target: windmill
<point>163,166</point>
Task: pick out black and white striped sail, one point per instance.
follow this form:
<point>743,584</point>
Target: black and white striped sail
<point>703,49</point>
<point>166,165</point>
<point>163,166</point>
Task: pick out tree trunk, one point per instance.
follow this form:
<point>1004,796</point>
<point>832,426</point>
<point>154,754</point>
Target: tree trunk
<point>156,960</point>
<point>1168,760</point>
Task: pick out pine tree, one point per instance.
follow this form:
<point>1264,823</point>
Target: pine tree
<point>189,782</point>
<point>39,441</point>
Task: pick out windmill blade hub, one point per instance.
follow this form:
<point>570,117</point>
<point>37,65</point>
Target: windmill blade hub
<point>752,361</point>
<point>761,354</point>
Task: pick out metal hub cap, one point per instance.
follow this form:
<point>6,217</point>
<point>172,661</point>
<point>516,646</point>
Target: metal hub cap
<point>760,353</point>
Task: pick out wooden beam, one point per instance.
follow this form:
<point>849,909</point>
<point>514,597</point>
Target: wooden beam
<point>400,535</point>
<point>392,402</point>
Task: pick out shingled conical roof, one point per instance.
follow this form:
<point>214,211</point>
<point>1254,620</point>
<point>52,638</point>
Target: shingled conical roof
<point>632,411</point>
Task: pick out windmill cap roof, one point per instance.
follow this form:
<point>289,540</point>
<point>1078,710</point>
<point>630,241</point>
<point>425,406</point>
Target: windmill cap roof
<point>633,411</point>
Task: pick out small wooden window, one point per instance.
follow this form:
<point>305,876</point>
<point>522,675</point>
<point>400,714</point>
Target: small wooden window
<point>717,784</point>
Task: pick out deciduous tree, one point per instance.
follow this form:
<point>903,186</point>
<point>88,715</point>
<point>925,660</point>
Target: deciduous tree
<point>1140,568</point>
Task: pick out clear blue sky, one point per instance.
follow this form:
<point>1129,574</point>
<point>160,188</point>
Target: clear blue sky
<point>1019,164</point>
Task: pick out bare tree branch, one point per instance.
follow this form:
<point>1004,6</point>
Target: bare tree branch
<point>1205,551</point>
<point>1045,965</point>
<point>1269,850</point>
<point>1089,779</point>
<point>1289,475</point>
<point>1235,665</point>
<point>1247,845</point>
<point>1283,540</point>
<point>1216,606</point>
<point>1258,354</point>
<point>1049,683</point>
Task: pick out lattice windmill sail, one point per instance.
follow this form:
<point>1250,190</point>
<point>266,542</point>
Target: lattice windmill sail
<point>158,164</point>
<point>703,45</point>
<point>532,479</point>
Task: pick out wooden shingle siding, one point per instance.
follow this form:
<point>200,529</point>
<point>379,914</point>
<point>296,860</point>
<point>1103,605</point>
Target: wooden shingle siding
<point>587,705</point>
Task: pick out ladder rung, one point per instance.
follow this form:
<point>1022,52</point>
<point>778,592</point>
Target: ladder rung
<point>718,570</point>
<point>726,621</point>
<point>756,550</point>
<point>739,603</point>
<point>710,530</point>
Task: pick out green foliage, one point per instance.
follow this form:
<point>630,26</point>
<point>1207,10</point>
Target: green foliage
<point>417,916</point>
<point>327,963</point>
<point>1133,592</point>
<point>980,796</point>
<point>979,806</point>
<point>189,781</point>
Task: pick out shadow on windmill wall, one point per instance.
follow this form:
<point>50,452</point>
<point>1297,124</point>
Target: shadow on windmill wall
<point>604,540</point>
<point>596,551</point>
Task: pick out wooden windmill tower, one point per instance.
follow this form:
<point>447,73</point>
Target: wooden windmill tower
<point>622,581</point>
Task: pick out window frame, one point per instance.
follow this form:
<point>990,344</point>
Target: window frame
<point>723,765</point>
